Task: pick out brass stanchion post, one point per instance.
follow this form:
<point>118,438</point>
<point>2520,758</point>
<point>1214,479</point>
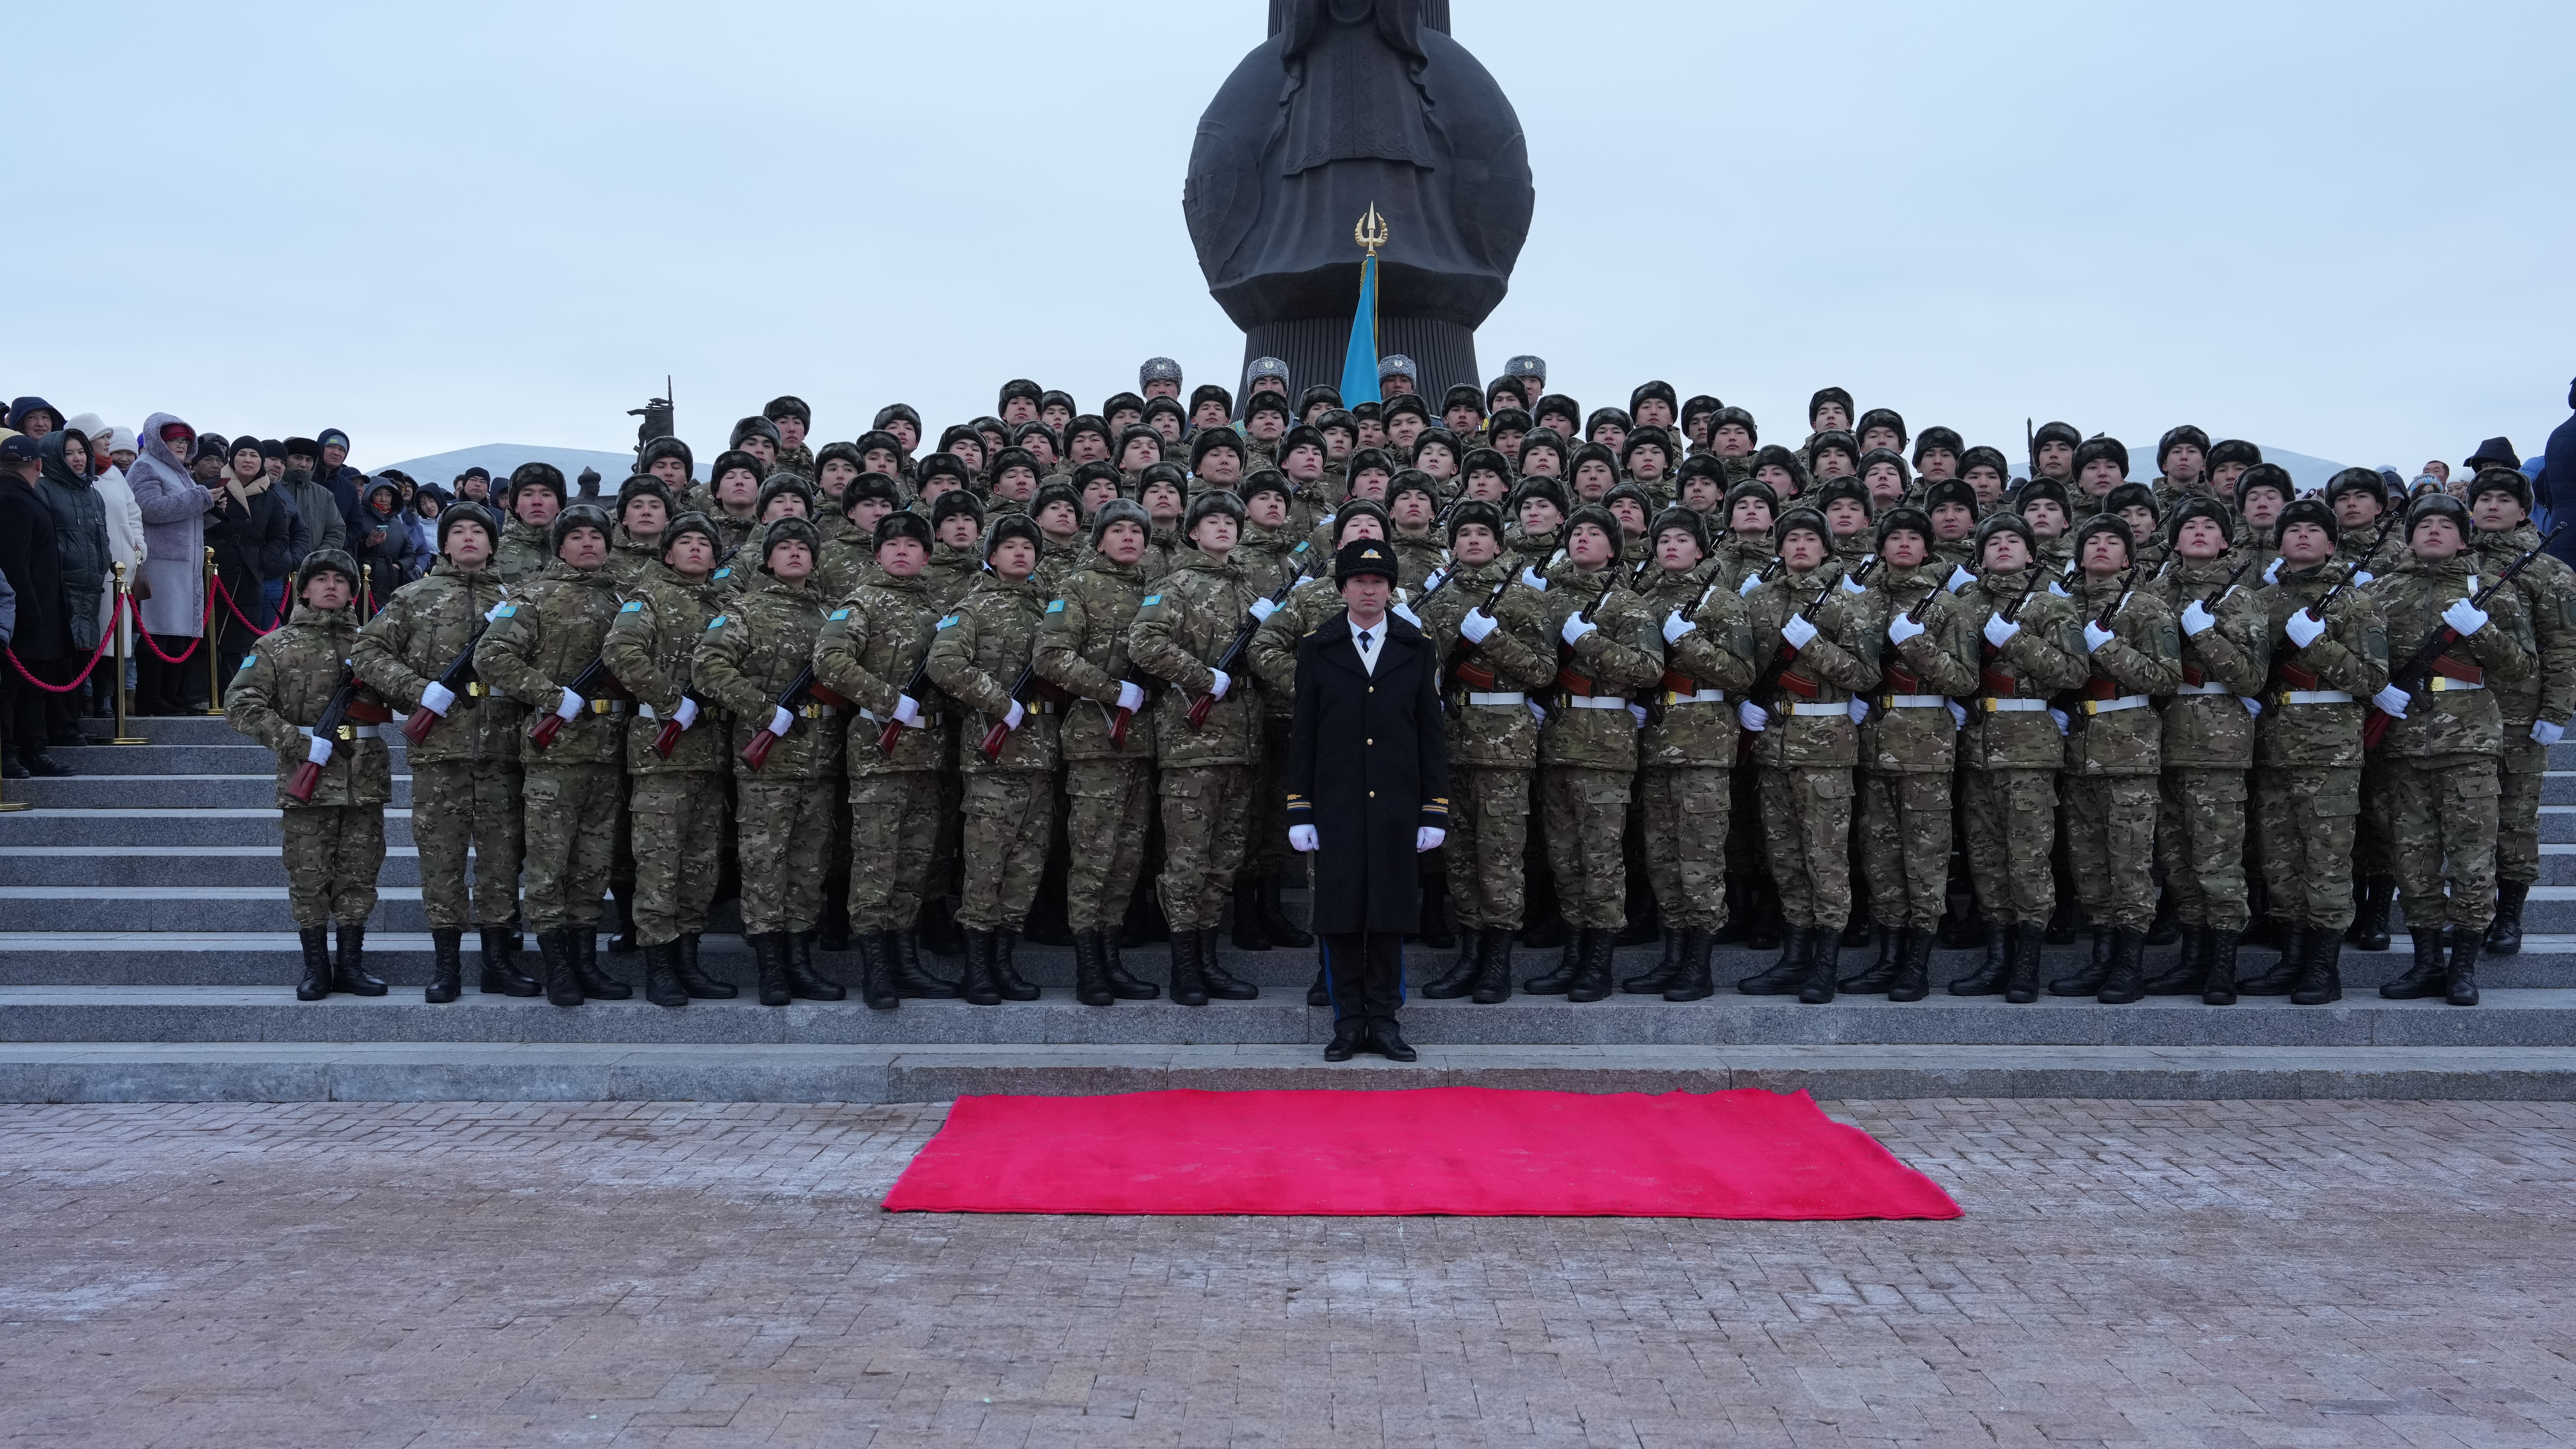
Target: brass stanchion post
<point>214,661</point>
<point>119,620</point>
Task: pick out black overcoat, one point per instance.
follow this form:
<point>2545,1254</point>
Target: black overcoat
<point>1368,765</point>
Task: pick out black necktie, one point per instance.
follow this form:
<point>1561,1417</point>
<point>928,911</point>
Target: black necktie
<point>1364,641</point>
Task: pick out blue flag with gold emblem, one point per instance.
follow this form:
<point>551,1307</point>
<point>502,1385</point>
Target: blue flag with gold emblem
<point>1359,364</point>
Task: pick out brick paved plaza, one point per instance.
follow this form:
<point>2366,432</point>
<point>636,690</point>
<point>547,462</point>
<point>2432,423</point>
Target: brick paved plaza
<point>2269,1273</point>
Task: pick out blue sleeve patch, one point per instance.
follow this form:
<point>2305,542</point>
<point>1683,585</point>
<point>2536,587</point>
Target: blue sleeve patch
<point>631,606</point>
<point>1150,601</point>
<point>507,611</point>
<point>725,572</point>
<point>717,622</point>
<point>951,619</point>
<point>840,613</point>
<point>1055,606</point>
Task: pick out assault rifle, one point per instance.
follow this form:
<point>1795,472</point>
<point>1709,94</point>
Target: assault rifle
<point>1467,648</point>
<point>2072,701</point>
<point>586,684</point>
<point>327,729</point>
<point>669,738</point>
<point>800,689</point>
<point>2418,668</point>
<point>1230,662</point>
<point>1000,733</point>
<point>912,689</point>
<point>456,678</point>
<point>1767,688</point>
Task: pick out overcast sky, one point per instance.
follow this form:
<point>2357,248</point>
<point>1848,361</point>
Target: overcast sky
<point>2336,228</point>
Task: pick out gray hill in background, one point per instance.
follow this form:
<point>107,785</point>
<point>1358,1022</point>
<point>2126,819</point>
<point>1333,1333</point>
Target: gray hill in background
<point>500,458</point>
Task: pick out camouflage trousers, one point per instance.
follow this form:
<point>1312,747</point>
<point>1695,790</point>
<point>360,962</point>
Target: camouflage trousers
<point>1582,813</point>
<point>2305,817</point>
<point>894,831</point>
<point>1904,839</point>
<point>333,855</point>
<point>1106,803</point>
<point>2011,827</point>
<point>1268,852</point>
<point>459,806</point>
<point>678,823</point>
<point>2200,844</point>
<point>1488,833</point>
<point>2111,843</point>
<point>1206,809</point>
<point>2442,824</point>
<point>785,843</point>
<point>1688,809</point>
<point>571,814</point>
<point>2518,777</point>
<point>1806,828</point>
<point>1010,816</point>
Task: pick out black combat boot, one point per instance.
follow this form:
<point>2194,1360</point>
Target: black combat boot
<point>1127,985</point>
<point>696,982</point>
<point>662,974</point>
<point>1592,978</point>
<point>1788,975</point>
<point>1691,979</point>
<point>2021,976</point>
<point>501,976</point>
<point>1568,966</point>
<point>1658,978</point>
<point>625,941</point>
<point>2087,981</point>
<point>447,967</point>
<point>1826,959</point>
<point>349,969</point>
<point>2429,976</point>
<point>2167,927</point>
<point>2126,981</point>
<point>2282,976</point>
<point>1091,970</point>
<point>976,985</point>
<point>2464,969</point>
<point>2504,933</point>
<point>911,981</point>
<point>1913,968</point>
<point>596,984</point>
<point>1274,918</point>
<point>1463,973</point>
<point>876,970</point>
<point>1992,974</point>
<point>2321,976</point>
<point>1249,934</point>
<point>317,963</point>
<point>2370,923</point>
<point>1222,984</point>
<point>2218,956</point>
<point>769,958</point>
<point>1880,974</point>
<point>1006,971</point>
<point>554,954</point>
<point>2190,965</point>
<point>1494,972</point>
<point>1739,910</point>
<point>803,981</point>
<point>938,930</point>
<point>1436,932</point>
<point>1189,981</point>
<point>1318,993</point>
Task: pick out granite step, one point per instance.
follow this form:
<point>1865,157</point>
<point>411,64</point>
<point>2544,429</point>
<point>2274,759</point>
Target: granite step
<point>109,826</point>
<point>183,791</point>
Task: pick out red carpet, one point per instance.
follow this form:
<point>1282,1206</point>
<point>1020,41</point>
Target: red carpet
<point>1468,1151</point>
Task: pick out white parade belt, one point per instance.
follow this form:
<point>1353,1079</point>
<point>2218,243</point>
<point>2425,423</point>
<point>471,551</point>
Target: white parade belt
<point>1674,698</point>
<point>1912,701</point>
<point>2315,696</point>
<point>1992,705</point>
<point>2207,687</point>
<point>1595,701</point>
<point>2114,706</point>
<point>1502,697</point>
<point>348,732</point>
<point>1819,711</point>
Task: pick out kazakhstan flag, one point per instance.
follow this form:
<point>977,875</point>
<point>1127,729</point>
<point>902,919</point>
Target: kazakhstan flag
<point>1359,363</point>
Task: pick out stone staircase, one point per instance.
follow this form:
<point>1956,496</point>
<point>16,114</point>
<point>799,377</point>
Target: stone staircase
<point>146,955</point>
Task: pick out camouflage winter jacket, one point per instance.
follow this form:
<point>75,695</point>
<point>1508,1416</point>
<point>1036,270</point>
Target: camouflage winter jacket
<point>524,551</point>
<point>1082,647</point>
<point>1181,630</point>
<point>1417,557</point>
<point>1913,738</point>
<point>744,661</point>
<point>2548,590</point>
<point>867,651</point>
<point>846,563</point>
<point>951,572</point>
<point>2351,656</point>
<point>1715,654</point>
<point>2442,719</point>
<point>288,681</point>
<point>2207,725</point>
<point>1619,660</point>
<point>629,556</point>
<point>1274,645</point>
<point>650,648</point>
<point>1810,724</point>
<point>2045,656</point>
<point>2142,659</point>
<point>1519,657</point>
<point>413,639</point>
<point>977,655</point>
<point>539,643</point>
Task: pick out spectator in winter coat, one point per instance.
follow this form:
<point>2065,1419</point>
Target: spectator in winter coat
<point>35,417</point>
<point>31,560</point>
<point>385,543</point>
<point>174,508</point>
<point>251,534</point>
<point>124,524</point>
<point>347,484</point>
<point>325,525</point>
<point>80,532</point>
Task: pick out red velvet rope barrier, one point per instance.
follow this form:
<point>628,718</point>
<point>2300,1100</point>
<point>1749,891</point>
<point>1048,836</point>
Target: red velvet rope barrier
<point>104,636</point>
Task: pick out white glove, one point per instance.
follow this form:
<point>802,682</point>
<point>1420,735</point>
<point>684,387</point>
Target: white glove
<point>2272,575</point>
<point>570,706</point>
<point>1131,697</point>
<point>1960,578</point>
<point>496,608</point>
<point>1999,630</point>
<point>1576,626</point>
<point>1753,716</point>
<point>1262,609</point>
<point>1638,713</point>
<point>1301,838</point>
<point>2058,589</point>
<point>1477,625</point>
<point>1532,577</point>
<point>1901,628</point>
<point>1224,682</point>
<point>1405,613</point>
<point>2364,576</point>
<point>1854,586</point>
<point>2253,706</point>
<point>320,750</point>
<point>2095,636</point>
<point>1018,712</point>
<point>1797,631</point>
<point>2303,627</point>
<point>780,721</point>
<point>1675,626</point>
<point>687,714</point>
<point>2545,733</point>
<point>2058,716</point>
<point>1958,715</point>
<point>1745,589</point>
<point>2391,702</point>
<point>2465,617</point>
<point>436,697</point>
<point>1425,837</point>
<point>2196,620</point>
<point>907,711</point>
<point>1857,708</point>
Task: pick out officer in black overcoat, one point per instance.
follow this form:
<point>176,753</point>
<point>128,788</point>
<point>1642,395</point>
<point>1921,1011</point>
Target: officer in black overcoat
<point>1368,788</point>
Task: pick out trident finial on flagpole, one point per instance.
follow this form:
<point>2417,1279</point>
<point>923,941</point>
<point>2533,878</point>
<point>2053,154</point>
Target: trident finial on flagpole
<point>1371,232</point>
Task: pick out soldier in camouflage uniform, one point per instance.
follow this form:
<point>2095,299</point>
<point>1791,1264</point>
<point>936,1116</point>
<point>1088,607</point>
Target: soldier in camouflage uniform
<point>540,642</point>
<point>2209,736</point>
<point>2536,707</point>
<point>465,773</point>
<point>643,511</point>
<point>850,559</point>
<point>527,541</point>
<point>1909,753</point>
<point>1181,632</point>
<point>1611,652</point>
<point>1822,627</point>
<point>1492,634</point>
<point>1274,554</point>
<point>1082,649</point>
<point>793,420</point>
<point>2443,743</point>
<point>335,840</point>
<point>676,802</point>
<point>2010,750</point>
<point>745,661</point>
<point>2362,509</point>
<point>2328,658</point>
<point>977,659</point>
